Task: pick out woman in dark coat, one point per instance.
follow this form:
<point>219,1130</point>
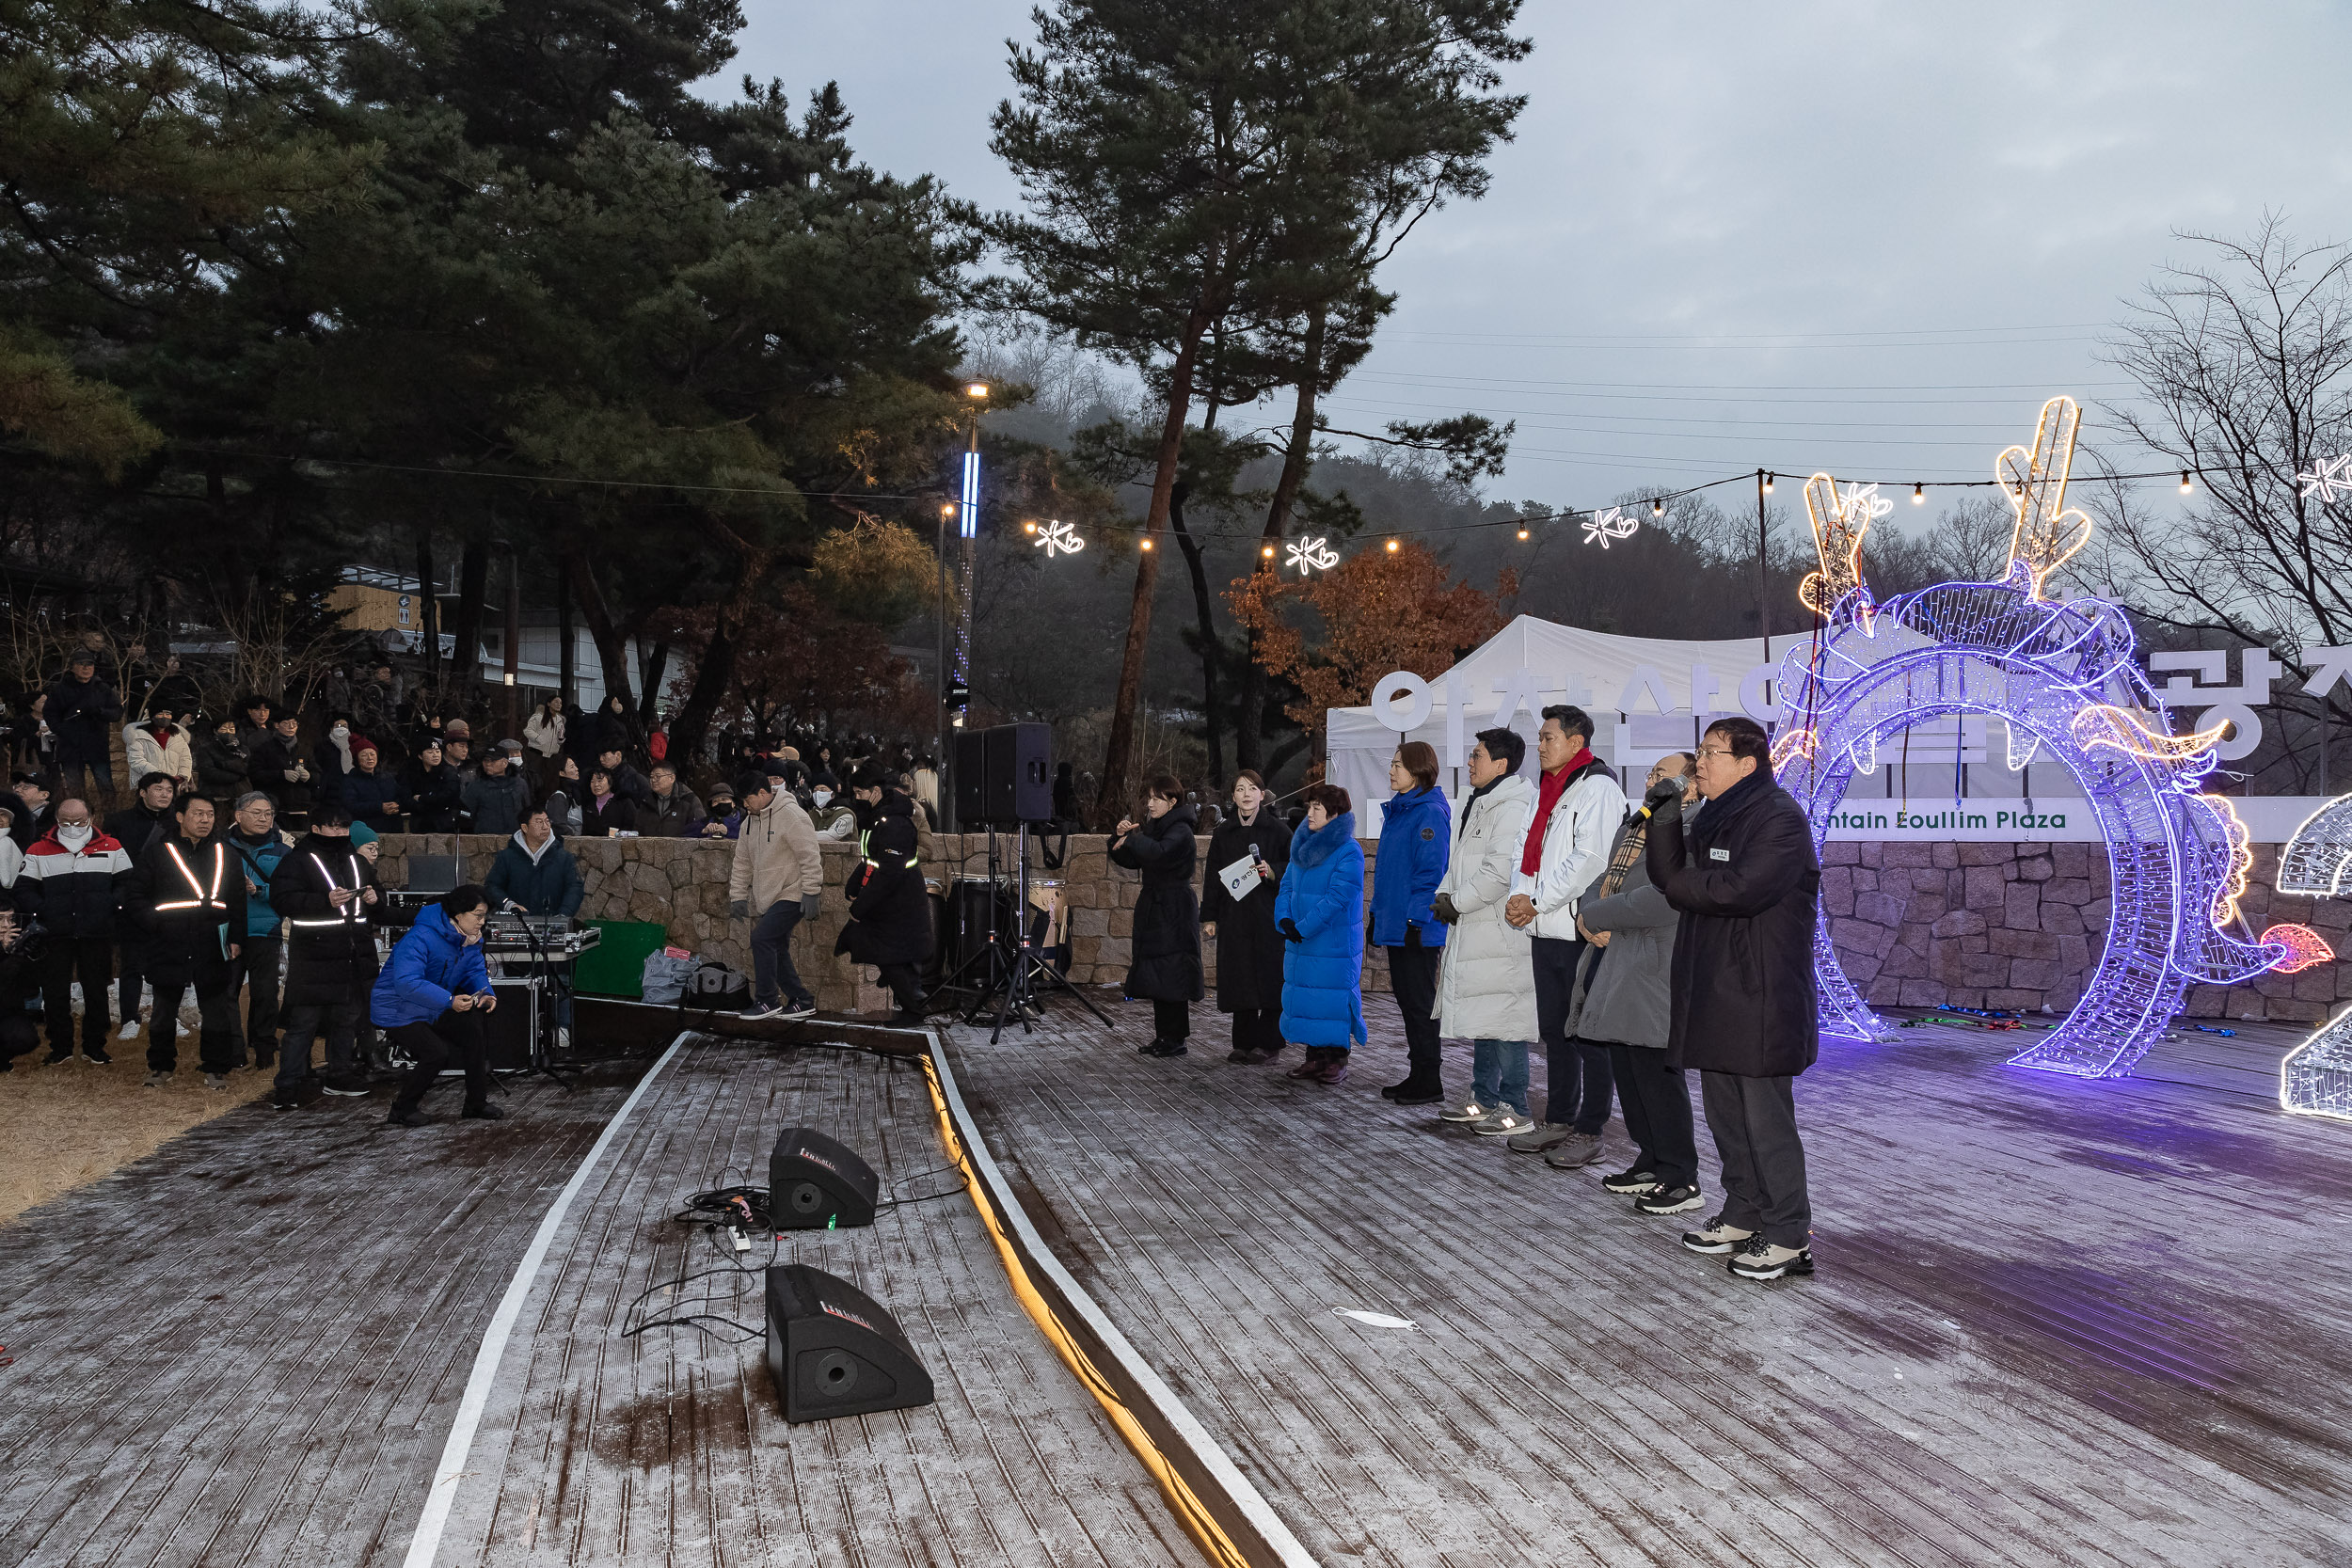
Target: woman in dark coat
<point>604,812</point>
<point>433,789</point>
<point>1248,948</point>
<point>1165,966</point>
<point>890,912</point>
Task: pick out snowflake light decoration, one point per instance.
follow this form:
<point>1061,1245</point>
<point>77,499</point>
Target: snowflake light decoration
<point>1059,538</point>
<point>1310,555</point>
<point>2328,478</point>
<point>1601,526</point>
<point>2065,673</point>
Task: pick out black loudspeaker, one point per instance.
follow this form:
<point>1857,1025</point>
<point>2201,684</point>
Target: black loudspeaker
<point>509,1028</point>
<point>1019,786</point>
<point>816,1184</point>
<point>832,1351</point>
<point>969,778</point>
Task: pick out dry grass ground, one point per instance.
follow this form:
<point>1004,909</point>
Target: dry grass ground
<point>65,1125</point>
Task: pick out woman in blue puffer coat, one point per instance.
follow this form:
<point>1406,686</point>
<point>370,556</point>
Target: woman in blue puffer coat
<point>1320,912</point>
<point>1416,834</point>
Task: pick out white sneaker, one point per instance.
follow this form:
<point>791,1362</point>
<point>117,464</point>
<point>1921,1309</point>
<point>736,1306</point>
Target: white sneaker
<point>129,1031</point>
<point>1501,1121</point>
<point>1470,1110</point>
<point>765,1010</point>
<point>794,1013</point>
<point>563,1039</point>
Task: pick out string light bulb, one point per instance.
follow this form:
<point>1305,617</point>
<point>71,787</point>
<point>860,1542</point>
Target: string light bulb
<point>2185,487</point>
<point>1919,495</point>
<point>1266,550</point>
<point>1768,477</point>
<point>1657,507</point>
<point>976,391</point>
<point>1029,527</point>
<point>1522,534</point>
<point>1393,546</point>
<point>1147,543</point>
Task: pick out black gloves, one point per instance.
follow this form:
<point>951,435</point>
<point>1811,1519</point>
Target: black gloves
<point>1290,930</point>
<point>1664,798</point>
<point>1442,906</point>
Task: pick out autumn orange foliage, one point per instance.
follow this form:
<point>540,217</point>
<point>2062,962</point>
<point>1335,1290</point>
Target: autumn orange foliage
<point>1379,611</point>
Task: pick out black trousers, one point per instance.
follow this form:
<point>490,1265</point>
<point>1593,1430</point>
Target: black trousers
<point>1413,976</point>
<point>304,1022</point>
<point>255,971</point>
<point>1576,1072</point>
<point>66,960</point>
<point>216,1016</point>
<point>1258,1029</point>
<point>1755,1123</point>
<point>130,974</point>
<point>1171,1020</point>
<point>1657,1105</point>
<point>453,1037</point>
<point>906,985</point>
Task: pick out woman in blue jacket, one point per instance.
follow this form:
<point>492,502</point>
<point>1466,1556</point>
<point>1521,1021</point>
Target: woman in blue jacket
<point>1320,912</point>
<point>430,1000</point>
<point>1416,832</point>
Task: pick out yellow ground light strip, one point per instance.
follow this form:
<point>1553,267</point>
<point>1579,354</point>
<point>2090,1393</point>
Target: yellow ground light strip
<point>1190,1510</point>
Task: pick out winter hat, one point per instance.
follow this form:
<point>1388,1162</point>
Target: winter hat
<point>361,833</point>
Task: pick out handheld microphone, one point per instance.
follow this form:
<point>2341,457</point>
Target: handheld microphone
<point>1660,793</point>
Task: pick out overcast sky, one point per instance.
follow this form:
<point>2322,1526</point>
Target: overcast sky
<point>1869,237</point>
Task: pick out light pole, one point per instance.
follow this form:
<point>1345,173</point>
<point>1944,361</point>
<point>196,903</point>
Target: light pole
<point>956,686</point>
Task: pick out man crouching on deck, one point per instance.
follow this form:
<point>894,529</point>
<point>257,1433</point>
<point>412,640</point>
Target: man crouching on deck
<point>430,1000</point>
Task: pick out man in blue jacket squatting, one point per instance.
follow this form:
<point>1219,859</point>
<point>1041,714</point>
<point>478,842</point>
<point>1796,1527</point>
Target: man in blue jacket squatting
<point>430,1000</point>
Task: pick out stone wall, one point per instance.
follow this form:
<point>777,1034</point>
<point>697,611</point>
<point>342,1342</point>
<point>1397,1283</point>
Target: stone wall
<point>1916,925</point>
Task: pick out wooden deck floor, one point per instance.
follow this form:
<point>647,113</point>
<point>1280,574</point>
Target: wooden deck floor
<point>248,1348</point>
<point>2056,1322</point>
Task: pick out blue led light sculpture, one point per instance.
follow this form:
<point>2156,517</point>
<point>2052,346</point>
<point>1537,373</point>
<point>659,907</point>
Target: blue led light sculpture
<point>2316,1077</point>
<point>2062,675</point>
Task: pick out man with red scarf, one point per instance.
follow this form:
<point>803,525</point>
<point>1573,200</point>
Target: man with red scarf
<point>1578,807</point>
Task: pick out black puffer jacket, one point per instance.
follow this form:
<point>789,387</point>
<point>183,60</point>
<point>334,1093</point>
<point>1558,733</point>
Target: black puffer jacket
<point>890,916</point>
<point>1248,948</point>
<point>331,953</point>
<point>1165,961</point>
<point>432,797</point>
<point>1743,876</point>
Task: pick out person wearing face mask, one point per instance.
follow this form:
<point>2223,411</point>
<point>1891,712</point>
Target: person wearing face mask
<point>832,816</point>
<point>73,883</point>
<point>1248,948</point>
<point>721,819</point>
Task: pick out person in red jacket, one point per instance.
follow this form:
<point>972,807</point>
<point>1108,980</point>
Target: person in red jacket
<point>73,883</point>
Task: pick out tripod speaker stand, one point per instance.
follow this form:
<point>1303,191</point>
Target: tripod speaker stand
<point>1017,970</point>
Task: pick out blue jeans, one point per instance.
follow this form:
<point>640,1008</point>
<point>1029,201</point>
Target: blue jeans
<point>1499,1073</point>
<point>771,956</point>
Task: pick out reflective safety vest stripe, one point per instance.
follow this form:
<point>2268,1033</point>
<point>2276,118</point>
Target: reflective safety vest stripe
<point>352,913</point>
<point>914,861</point>
<point>206,898</point>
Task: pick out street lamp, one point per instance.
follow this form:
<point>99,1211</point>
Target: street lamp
<point>957,688</point>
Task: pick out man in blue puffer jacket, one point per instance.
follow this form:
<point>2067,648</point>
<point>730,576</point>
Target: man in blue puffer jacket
<point>430,1000</point>
<point>1416,835</point>
<point>1320,912</point>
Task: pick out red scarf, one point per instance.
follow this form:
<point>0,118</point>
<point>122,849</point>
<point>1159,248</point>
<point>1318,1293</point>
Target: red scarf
<point>1553,784</point>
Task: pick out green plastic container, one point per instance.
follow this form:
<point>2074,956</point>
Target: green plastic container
<point>616,965</point>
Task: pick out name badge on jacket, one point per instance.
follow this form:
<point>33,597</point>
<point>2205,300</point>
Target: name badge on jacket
<point>1719,854</point>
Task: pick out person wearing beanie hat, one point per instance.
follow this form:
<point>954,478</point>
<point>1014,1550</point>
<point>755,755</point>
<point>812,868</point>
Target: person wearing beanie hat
<point>374,796</point>
<point>363,839</point>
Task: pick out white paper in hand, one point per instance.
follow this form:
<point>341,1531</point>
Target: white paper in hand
<point>1240,876</point>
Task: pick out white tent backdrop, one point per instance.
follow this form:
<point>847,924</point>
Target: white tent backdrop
<point>1649,696</point>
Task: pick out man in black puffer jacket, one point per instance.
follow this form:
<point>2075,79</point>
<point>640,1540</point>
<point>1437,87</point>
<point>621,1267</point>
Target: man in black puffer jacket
<point>1743,875</point>
<point>327,891</point>
<point>188,892</point>
<point>890,916</point>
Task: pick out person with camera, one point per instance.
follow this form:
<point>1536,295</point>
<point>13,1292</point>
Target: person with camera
<point>1487,991</point>
<point>72,885</point>
<point>326,890</point>
<point>1164,962</point>
<point>188,892</point>
<point>1249,947</point>
<point>775,880</point>
<point>20,981</point>
<point>430,1001</point>
<point>890,912</point>
<point>1742,874</point>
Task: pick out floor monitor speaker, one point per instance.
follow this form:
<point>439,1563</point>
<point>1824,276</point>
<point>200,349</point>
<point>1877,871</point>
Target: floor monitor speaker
<point>832,1351</point>
<point>814,1183</point>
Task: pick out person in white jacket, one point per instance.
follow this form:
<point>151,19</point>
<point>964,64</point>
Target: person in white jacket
<point>1487,991</point>
<point>156,744</point>
<point>1578,807</point>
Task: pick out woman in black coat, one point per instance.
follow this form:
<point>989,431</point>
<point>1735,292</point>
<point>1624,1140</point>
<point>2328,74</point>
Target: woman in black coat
<point>1248,948</point>
<point>604,812</point>
<point>433,789</point>
<point>890,912</point>
<point>1165,967</point>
